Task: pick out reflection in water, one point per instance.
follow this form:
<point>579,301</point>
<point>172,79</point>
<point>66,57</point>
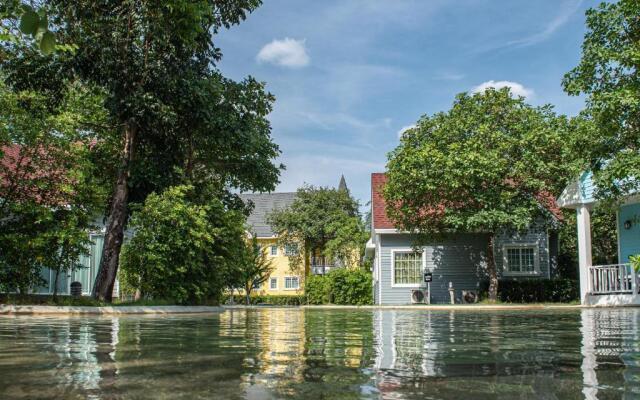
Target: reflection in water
<point>309,354</point>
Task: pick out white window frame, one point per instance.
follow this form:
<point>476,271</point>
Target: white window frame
<point>271,281</point>
<point>297,278</point>
<point>393,266</point>
<point>536,259</point>
<point>271,247</point>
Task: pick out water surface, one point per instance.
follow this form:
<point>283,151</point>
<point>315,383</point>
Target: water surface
<point>319,354</point>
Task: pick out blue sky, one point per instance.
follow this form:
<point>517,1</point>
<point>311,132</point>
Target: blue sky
<point>348,75</point>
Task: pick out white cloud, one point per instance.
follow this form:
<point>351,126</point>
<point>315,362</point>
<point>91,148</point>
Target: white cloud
<point>516,88</point>
<point>286,53</point>
<point>404,129</point>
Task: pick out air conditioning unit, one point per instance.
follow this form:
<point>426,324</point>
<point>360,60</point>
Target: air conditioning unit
<point>469,296</point>
<point>418,296</point>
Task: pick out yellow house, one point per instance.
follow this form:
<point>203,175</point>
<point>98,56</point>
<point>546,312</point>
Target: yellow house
<point>282,281</point>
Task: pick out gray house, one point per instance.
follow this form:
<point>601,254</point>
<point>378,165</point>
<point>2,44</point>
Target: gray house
<point>456,263</point>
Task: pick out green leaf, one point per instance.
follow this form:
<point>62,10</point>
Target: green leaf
<point>48,43</point>
<point>29,22</point>
<point>43,24</point>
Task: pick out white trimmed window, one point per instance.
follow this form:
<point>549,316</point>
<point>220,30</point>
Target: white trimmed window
<point>521,259</point>
<point>408,267</point>
<point>273,283</point>
<point>291,249</point>
<point>291,282</point>
<point>273,250</point>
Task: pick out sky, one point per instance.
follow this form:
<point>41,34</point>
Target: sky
<point>350,75</point>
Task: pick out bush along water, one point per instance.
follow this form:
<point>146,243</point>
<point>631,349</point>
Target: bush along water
<point>340,286</point>
<point>536,290</point>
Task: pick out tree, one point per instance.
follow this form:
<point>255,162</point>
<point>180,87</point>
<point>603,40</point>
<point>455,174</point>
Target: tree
<point>489,164</point>
<point>177,118</point>
<point>324,221</point>
<point>184,247</point>
<point>255,267</point>
<point>49,194</point>
<point>609,75</point>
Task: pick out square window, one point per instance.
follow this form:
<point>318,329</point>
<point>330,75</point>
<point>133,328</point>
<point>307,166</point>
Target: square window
<point>291,282</point>
<point>520,259</point>
<point>273,283</point>
<point>407,268</point>
<point>273,250</point>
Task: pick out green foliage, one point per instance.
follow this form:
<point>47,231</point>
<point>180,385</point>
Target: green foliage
<point>604,241</point>
<point>253,268</point>
<point>479,166</point>
<point>340,286</point>
<point>281,300</point>
<point>325,221</point>
<point>537,290</point>
<point>32,28</point>
<point>609,75</point>
<point>49,194</point>
<point>317,288</point>
<point>490,163</point>
<point>635,262</point>
<point>183,247</point>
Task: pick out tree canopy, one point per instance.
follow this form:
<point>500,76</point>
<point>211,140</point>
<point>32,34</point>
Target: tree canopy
<point>324,221</point>
<point>175,119</point>
<point>490,163</point>
<point>609,75</point>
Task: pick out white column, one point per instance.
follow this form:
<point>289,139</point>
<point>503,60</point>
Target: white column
<point>584,249</point>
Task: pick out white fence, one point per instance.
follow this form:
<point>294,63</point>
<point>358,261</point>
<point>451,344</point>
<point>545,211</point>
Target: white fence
<point>613,279</point>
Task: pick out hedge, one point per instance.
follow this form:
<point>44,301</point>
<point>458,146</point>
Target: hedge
<point>535,290</point>
<point>340,286</point>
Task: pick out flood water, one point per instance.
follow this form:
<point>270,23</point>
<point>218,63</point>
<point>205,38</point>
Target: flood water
<point>319,354</point>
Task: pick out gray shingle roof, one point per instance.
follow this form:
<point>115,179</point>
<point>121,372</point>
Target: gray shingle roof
<point>265,203</point>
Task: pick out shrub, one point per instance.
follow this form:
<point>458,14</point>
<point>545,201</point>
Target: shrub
<point>183,248</point>
<point>340,286</point>
<point>536,290</point>
<point>317,290</point>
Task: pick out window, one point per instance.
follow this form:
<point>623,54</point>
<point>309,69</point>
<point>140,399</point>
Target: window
<point>521,260</point>
<point>291,282</point>
<point>291,249</point>
<point>407,268</point>
<point>273,283</point>
<point>273,250</point>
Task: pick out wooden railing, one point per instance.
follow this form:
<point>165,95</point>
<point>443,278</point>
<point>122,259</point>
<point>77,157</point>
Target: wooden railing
<point>613,279</point>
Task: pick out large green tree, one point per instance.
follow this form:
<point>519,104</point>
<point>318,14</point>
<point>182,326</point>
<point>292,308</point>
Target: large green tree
<point>177,120</point>
<point>609,75</point>
<point>49,194</point>
<point>323,221</point>
<point>490,163</point>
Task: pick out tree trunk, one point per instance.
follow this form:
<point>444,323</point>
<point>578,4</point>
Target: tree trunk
<point>106,277</point>
<point>55,286</point>
<point>491,268</point>
<point>247,293</point>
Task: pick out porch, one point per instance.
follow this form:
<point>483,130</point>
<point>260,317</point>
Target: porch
<point>616,284</point>
<point>323,265</point>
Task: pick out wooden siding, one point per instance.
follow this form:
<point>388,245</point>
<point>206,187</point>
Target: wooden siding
<point>459,260</point>
<point>537,235</point>
<point>629,239</point>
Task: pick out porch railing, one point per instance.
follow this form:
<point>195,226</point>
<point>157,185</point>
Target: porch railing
<point>322,265</point>
<point>613,279</point>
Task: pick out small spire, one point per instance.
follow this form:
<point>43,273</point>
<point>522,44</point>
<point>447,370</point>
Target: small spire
<point>343,184</point>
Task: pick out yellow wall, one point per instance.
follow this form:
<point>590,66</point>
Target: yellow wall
<point>281,270</point>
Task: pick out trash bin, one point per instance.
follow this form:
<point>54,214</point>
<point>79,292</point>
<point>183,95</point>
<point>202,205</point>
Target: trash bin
<point>76,289</point>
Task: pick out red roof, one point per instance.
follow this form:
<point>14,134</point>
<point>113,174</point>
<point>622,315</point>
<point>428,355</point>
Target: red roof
<point>380,220</point>
<point>32,173</point>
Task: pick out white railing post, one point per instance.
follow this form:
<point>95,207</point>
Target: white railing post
<point>634,281</point>
<point>584,250</point>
